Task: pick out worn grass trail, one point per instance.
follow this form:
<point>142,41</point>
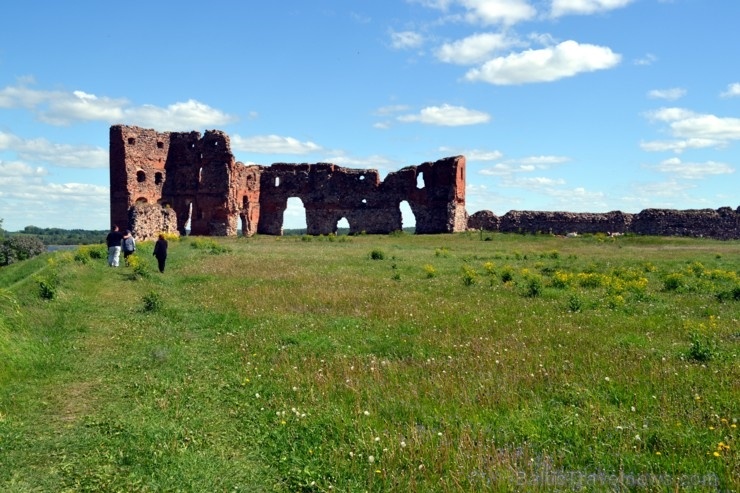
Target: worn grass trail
<point>447,363</point>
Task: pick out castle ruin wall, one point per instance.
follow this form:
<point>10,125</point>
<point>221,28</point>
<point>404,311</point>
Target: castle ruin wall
<point>199,179</point>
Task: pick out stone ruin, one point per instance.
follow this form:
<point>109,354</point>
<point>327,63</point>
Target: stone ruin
<point>161,181</point>
<point>723,223</point>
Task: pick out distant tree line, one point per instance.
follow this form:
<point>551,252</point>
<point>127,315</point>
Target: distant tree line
<point>32,241</point>
<point>59,236</point>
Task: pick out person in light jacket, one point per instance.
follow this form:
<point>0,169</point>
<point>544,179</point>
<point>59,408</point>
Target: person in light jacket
<point>129,245</point>
<point>160,251</point>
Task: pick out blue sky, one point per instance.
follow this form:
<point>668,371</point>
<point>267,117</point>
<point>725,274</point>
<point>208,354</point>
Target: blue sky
<point>571,105</point>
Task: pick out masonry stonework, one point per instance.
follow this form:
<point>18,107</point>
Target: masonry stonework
<point>197,180</point>
<point>163,181</point>
<point>723,223</point>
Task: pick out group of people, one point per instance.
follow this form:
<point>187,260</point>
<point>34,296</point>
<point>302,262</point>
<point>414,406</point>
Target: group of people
<point>117,241</point>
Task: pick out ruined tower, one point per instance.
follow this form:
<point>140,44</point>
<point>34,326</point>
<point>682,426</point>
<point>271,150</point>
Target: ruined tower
<point>197,179</point>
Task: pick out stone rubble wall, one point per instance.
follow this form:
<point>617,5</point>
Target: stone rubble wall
<point>723,223</point>
<point>147,221</point>
<point>199,179</point>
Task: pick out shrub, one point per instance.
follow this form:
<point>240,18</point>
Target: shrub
<point>430,271</point>
<point>507,274</point>
<point>703,347</point>
<point>209,245</point>
<point>534,287</point>
<point>47,285</point>
<point>85,252</point>
<point>139,269</point>
<point>470,277</point>
<point>442,252</point>
<point>591,279</point>
<point>674,282</point>
<point>729,295</point>
<point>561,279</point>
<point>575,304</point>
<point>152,301</point>
<point>19,248</point>
<point>377,254</point>
<point>81,257</point>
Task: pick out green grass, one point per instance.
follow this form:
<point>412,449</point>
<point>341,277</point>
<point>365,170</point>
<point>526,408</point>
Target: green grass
<point>445,364</point>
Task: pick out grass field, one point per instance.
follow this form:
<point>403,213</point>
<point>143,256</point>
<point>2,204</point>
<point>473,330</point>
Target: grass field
<point>467,362</point>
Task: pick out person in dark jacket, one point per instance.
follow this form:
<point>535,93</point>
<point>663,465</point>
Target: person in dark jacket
<point>113,241</point>
<point>160,251</point>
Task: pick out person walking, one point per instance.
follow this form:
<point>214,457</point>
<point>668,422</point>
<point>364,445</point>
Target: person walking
<point>113,241</point>
<point>129,245</point>
<point>160,251</point>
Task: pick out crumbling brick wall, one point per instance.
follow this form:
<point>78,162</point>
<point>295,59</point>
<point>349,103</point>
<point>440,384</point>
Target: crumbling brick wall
<point>723,223</point>
<point>148,220</point>
<point>199,179</point>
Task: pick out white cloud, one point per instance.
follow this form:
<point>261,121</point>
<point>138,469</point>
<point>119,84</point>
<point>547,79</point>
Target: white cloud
<point>534,182</point>
<point>543,161</point>
<point>434,4</point>
<point>693,171</point>
<point>650,194</point>
<point>477,155</point>
<point>447,115</point>
<point>375,161</point>
<point>732,90</point>
<point>506,12</point>
<point>405,40</point>
<point>33,201</point>
<point>648,59</point>
<point>679,146</point>
<point>13,169</point>
<point>187,115</point>
<point>669,94</point>
<point>391,109</point>
<point>693,130</point>
<point>523,165</point>
<point>63,155</point>
<point>579,7</point>
<point>273,144</point>
<point>566,59</point>
<point>64,108</point>
<point>472,155</point>
<point>474,49</point>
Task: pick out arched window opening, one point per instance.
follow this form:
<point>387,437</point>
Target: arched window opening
<point>362,177</point>
<point>408,220</point>
<point>140,176</point>
<point>200,175</point>
<point>158,178</point>
<point>141,200</point>
<point>420,180</point>
<point>294,217</point>
<point>160,145</point>
<point>364,201</point>
<point>277,182</point>
<point>342,227</point>
<point>187,224</point>
<point>131,141</point>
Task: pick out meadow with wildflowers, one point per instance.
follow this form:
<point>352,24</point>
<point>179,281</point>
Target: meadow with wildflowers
<point>466,362</point>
